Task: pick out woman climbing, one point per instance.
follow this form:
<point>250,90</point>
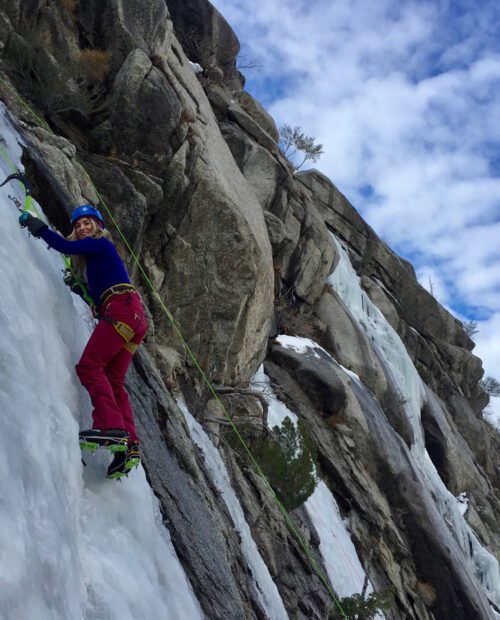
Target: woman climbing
<point>121,327</point>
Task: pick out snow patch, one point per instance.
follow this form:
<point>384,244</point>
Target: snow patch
<point>298,344</point>
<point>197,68</point>
<point>463,503</point>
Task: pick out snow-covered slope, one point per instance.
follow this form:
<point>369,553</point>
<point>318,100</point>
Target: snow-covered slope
<point>74,545</point>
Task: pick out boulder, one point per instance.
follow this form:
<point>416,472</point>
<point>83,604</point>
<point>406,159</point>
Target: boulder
<point>206,37</point>
<point>448,450</point>
<point>121,26</point>
<point>308,258</point>
<point>261,170</point>
<point>145,133</point>
<point>316,373</point>
<point>236,114</point>
<point>200,529</point>
<point>9,15</point>
<point>55,158</point>
<point>127,206</point>
<point>350,346</point>
<point>254,109</point>
<point>5,29</point>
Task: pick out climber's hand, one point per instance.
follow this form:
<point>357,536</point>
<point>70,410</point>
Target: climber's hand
<point>33,224</point>
<point>69,278</point>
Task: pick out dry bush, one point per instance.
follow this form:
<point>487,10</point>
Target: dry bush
<point>41,78</point>
<point>427,592</point>
<point>295,319</point>
<point>69,5</point>
<point>187,116</point>
<point>156,61</point>
<point>336,420</point>
<point>302,324</point>
<point>96,63</point>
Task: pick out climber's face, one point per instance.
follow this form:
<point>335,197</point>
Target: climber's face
<point>84,227</point>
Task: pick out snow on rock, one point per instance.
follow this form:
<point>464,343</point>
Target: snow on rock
<point>388,344</point>
<point>265,587</point>
<point>339,554</point>
<point>197,68</point>
<point>74,545</point>
<point>298,344</point>
<point>463,503</point>
<point>303,345</point>
<point>277,411</point>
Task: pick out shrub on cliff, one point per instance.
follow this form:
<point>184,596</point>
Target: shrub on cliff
<point>357,607</point>
<point>287,458</point>
<point>96,63</point>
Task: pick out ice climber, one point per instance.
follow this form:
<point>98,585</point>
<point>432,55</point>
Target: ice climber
<point>121,327</point>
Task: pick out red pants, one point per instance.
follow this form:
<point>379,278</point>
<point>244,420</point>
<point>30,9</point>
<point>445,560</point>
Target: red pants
<point>106,358</point>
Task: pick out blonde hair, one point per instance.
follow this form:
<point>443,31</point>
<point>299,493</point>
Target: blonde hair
<point>78,261</point>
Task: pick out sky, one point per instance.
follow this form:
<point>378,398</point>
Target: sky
<point>405,98</point>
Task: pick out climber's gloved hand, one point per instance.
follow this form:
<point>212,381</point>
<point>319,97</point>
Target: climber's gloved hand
<point>69,278</point>
<point>75,285</point>
<point>33,224</point>
<point>79,287</point>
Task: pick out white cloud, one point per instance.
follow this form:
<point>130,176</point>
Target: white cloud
<point>488,349</point>
<point>405,98</point>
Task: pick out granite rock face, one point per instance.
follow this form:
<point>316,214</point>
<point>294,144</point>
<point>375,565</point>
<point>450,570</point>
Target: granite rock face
<point>203,217</point>
<point>238,246</point>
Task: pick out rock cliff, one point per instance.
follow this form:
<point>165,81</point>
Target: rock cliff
<point>240,249</point>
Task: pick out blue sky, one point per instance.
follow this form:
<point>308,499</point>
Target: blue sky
<point>405,98</point>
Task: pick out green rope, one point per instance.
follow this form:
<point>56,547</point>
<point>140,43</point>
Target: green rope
<point>212,390</point>
<point>8,161</point>
<point>290,524</point>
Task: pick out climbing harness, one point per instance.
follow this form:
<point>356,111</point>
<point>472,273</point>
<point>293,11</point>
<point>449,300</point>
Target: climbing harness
<point>302,543</point>
<point>116,289</point>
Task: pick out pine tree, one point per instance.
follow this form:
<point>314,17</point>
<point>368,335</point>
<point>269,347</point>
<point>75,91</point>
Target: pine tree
<point>293,140</point>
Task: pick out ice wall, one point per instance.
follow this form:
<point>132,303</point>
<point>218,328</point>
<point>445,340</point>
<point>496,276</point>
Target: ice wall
<point>74,545</point>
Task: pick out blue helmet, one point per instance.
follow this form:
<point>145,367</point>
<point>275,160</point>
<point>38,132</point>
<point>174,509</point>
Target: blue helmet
<point>85,211</point>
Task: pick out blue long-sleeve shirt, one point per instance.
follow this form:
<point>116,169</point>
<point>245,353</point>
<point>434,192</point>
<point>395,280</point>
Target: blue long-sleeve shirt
<point>105,268</point>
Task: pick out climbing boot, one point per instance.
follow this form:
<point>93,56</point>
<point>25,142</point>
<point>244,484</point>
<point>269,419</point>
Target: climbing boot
<point>114,439</point>
<point>124,462</point>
